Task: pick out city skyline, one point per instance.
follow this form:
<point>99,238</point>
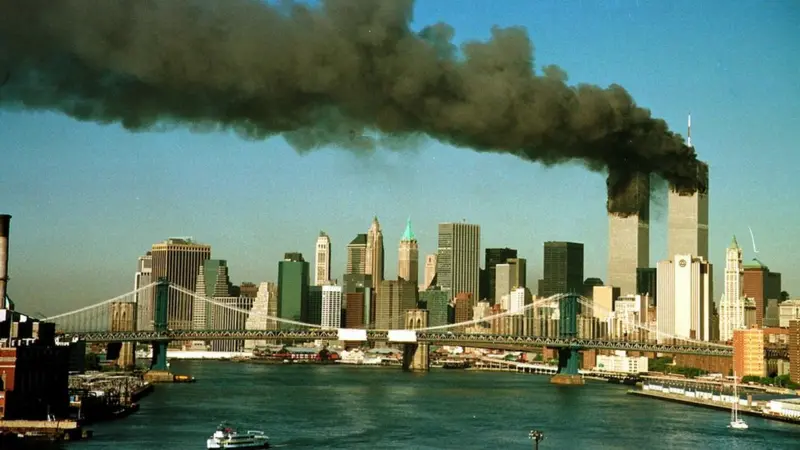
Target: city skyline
<point>140,191</point>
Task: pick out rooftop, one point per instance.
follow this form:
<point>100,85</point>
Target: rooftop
<point>360,239</point>
<point>408,234</point>
<point>756,264</point>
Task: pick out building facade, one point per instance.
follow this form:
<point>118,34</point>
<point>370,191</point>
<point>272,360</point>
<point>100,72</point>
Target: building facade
<point>688,220</point>
<point>394,298</point>
<point>732,303</point>
<point>357,255</point>
<point>629,236</point>
<point>331,315</point>
<point>293,283</point>
<point>375,253</point>
<point>430,271</point>
<point>684,308</point>
<point>408,256</point>
<point>458,258</point>
<point>322,272</point>
<point>562,269</point>
<point>493,257</point>
<point>748,353</point>
<point>144,298</point>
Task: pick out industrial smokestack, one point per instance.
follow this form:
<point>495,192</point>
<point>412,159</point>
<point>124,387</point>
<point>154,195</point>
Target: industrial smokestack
<point>5,223</point>
<point>346,73</point>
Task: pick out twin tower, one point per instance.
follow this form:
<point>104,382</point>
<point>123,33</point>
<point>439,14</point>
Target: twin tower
<point>629,235</point>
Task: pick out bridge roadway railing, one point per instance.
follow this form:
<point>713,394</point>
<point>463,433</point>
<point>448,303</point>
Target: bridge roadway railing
<point>405,336</point>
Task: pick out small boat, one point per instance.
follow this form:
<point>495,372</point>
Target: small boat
<point>736,422</point>
<point>228,437</point>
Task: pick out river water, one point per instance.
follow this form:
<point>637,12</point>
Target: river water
<point>340,407</point>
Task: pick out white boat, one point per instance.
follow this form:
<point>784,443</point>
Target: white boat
<point>736,422</point>
<point>227,437</point>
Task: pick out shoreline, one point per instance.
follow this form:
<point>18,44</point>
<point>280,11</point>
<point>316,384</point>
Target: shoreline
<point>711,404</point>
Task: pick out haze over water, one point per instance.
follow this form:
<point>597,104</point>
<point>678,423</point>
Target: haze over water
<point>339,407</point>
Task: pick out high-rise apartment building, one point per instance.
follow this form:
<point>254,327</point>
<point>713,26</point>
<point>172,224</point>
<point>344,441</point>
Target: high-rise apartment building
<point>629,236</point>
<point>293,283</point>
<point>748,352</point>
<point>394,298</point>
<point>322,274</point>
<point>331,307</point>
<point>144,298</point>
<point>408,256</point>
<point>732,303</point>
<point>374,262</point>
<point>357,255</point>
<point>493,257</point>
<point>177,259</point>
<point>458,258</point>
<point>430,271</point>
<point>685,308</point>
<point>563,269</point>
<point>688,221</point>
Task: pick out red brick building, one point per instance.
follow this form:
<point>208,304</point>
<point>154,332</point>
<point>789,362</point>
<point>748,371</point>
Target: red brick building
<point>34,381</point>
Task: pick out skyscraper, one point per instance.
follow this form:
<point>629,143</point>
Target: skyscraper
<point>331,307</point>
<point>293,281</point>
<point>408,256</point>
<point>493,257</point>
<point>761,285</point>
<point>685,308</point>
<point>458,258</point>
<point>731,305</point>
<point>394,298</point>
<point>144,299</point>
<point>430,271</point>
<point>688,221</point>
<point>177,259</point>
<point>322,274</point>
<point>629,236</point>
<point>374,262</point>
<point>357,255</point>
<point>562,269</point>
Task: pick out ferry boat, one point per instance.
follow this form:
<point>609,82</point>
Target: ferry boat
<point>228,437</point>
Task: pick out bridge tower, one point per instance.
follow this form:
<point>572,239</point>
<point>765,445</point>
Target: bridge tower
<point>416,356</point>
<point>568,356</point>
<point>159,361</point>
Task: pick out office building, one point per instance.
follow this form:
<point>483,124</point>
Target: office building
<point>331,307</point>
<point>519,269</point>
<point>761,285</point>
<point>629,236</point>
<point>688,221</point>
<point>293,284</point>
<point>732,303</point>
<point>313,310</point>
<point>261,315</point>
<point>177,259</point>
<point>563,269</point>
<point>322,273</point>
<point>504,282</point>
<point>430,271</point>
<point>493,257</point>
<point>647,283</point>
<point>458,258</point>
<point>408,256</point>
<point>436,302</point>
<point>357,255</point>
<point>374,251</point>
<point>685,308</point>
<point>394,298</point>
<point>144,298</point>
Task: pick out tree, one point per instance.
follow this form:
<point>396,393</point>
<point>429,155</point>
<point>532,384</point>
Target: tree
<point>784,296</point>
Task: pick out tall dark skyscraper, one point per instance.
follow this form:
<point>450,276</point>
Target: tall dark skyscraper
<point>293,282</point>
<point>646,282</point>
<point>493,257</point>
<point>563,268</point>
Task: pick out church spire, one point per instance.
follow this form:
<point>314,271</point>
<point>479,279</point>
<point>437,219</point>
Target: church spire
<point>408,234</point>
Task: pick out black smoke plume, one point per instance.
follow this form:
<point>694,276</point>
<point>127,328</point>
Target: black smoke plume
<point>324,75</point>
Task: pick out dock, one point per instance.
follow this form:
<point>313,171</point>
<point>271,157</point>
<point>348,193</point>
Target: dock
<point>45,430</point>
<point>749,410</point>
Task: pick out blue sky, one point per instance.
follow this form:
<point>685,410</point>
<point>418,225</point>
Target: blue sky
<point>88,199</point>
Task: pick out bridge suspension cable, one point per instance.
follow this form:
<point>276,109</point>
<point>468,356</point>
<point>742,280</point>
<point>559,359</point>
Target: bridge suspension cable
<point>98,305</point>
<point>521,311</point>
<point>649,330</point>
<point>238,310</point>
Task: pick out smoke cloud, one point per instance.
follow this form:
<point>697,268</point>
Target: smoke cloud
<point>331,74</point>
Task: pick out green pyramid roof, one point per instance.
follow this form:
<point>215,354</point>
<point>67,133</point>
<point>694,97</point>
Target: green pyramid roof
<point>734,243</point>
<point>408,234</point>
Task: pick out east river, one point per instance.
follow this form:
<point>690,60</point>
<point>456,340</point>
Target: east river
<point>340,407</point>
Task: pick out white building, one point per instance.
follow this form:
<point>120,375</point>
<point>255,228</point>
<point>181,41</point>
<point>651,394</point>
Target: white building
<point>684,305</point>
<point>503,280</point>
<point>788,311</point>
<point>621,363</point>
<point>331,307</point>
<point>322,274</point>
<point>259,318</point>
<point>629,316</point>
<point>732,303</point>
<point>516,300</point>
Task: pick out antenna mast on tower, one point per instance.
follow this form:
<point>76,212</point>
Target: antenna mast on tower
<point>689,132</point>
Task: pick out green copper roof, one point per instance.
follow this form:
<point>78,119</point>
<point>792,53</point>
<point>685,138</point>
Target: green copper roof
<point>734,244</point>
<point>408,235</point>
<point>755,264</point>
